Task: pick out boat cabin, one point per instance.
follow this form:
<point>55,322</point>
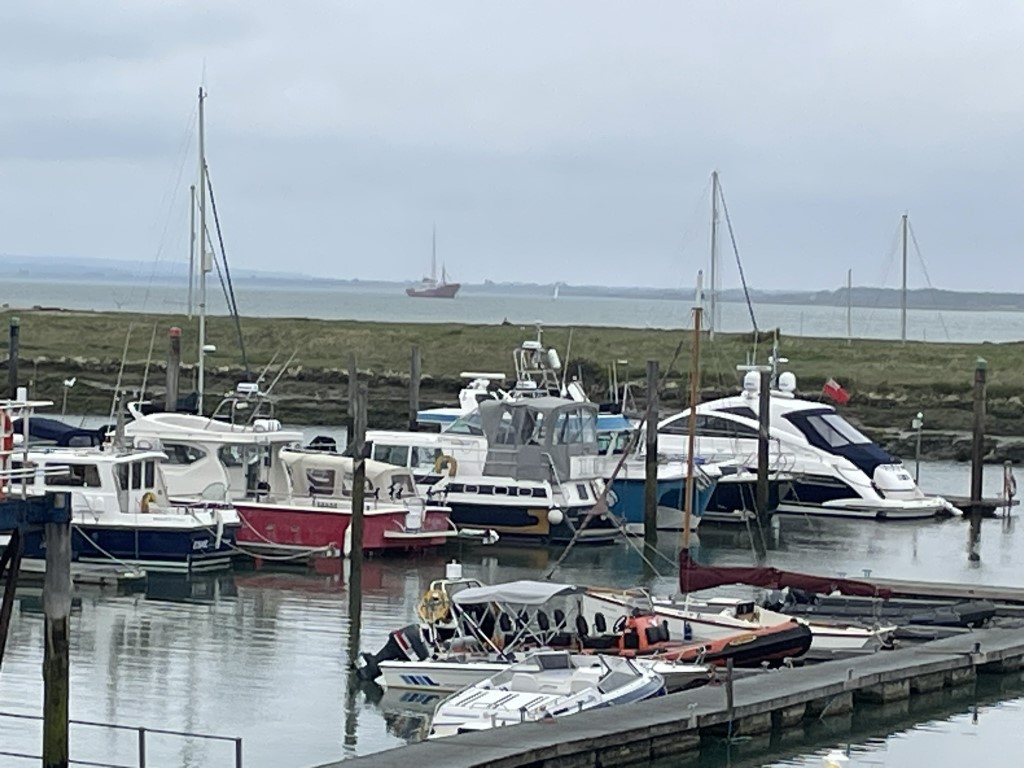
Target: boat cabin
<point>540,438</point>
<point>328,478</point>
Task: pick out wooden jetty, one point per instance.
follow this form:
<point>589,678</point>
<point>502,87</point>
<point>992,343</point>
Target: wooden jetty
<point>674,724</point>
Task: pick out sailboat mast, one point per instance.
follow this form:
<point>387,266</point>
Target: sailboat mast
<point>903,290</point>
<point>433,254</point>
<point>191,247</point>
<point>203,255</point>
<point>713,287</point>
<point>849,306</point>
<point>691,429</point>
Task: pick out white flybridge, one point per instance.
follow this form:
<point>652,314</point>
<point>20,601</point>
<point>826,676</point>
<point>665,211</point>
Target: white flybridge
<point>820,463</point>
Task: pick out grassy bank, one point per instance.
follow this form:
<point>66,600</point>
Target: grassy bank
<point>889,381</point>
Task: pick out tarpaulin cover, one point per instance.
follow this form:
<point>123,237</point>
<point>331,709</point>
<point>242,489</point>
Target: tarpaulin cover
<point>694,577</point>
<point>517,592</point>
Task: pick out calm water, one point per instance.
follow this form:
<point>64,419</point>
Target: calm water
<point>263,655</point>
<point>350,304</point>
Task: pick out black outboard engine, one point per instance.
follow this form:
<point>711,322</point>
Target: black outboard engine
<point>405,644</point>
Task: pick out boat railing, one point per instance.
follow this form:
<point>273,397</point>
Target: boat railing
<point>141,733</point>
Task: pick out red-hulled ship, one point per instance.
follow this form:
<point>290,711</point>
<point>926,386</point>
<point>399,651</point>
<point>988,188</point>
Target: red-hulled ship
<point>429,287</point>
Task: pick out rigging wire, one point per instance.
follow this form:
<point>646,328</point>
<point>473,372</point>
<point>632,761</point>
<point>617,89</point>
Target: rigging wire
<point>927,277</point>
<point>739,263</point>
<point>230,289</point>
<point>890,260</point>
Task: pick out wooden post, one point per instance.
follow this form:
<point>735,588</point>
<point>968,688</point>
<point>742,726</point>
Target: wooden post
<point>355,582</point>
<point>173,369</point>
<point>57,612</point>
<point>12,359</point>
<point>11,559</point>
<point>415,374</point>
<point>977,455</point>
<point>353,386</point>
<point>765,419</point>
<point>651,457</point>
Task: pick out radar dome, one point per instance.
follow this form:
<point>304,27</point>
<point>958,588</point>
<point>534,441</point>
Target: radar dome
<point>751,381</point>
<point>787,382</point>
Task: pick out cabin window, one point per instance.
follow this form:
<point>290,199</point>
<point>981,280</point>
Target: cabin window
<point>833,429</point>
<point>23,473</point>
<point>321,481</point>
<point>506,434</point>
<point>739,410</point>
<point>575,426</point>
<point>400,486</point>
<point>149,480</point>
<point>581,489</point>
<point>75,475</point>
<point>398,455</point>
<point>237,455</point>
<point>183,455</point>
<point>466,425</point>
<point>715,426</point>
<point>423,458</point>
<point>121,472</point>
<point>136,475</point>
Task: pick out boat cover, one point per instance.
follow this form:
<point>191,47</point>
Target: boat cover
<point>522,592</point>
<point>63,435</point>
<point>694,577</point>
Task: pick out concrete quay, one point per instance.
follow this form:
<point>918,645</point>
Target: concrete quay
<point>762,703</point>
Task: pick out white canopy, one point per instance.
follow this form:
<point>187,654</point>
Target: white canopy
<point>522,592</point>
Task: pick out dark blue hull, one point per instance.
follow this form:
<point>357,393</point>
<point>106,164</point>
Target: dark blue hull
<point>732,495</point>
<point>163,549</point>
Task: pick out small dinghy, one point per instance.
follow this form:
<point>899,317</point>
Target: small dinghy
<point>544,685</point>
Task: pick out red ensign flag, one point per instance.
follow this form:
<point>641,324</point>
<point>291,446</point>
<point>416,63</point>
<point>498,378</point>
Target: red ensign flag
<point>836,393</point>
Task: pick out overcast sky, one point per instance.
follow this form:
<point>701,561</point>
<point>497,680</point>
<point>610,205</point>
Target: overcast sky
<point>549,140</point>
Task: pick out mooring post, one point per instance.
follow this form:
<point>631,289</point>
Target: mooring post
<point>355,581</point>
<point>56,612</point>
<point>415,375</point>
<point>729,691</point>
<point>173,369</point>
<point>651,457</point>
<point>12,359</point>
<point>11,560</point>
<point>765,419</point>
<point>977,455</point>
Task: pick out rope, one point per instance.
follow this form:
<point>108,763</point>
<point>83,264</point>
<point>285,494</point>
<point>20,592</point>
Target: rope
<point>927,277</point>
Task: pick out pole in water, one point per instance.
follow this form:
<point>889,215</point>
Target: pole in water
<point>903,290</point>
<point>849,307</point>
<point>977,456</point>
<point>415,375</point>
<point>173,369</point>
<point>917,424</point>
<point>765,420</point>
<point>651,457</point>
<point>691,427</point>
<point>57,613</point>
<point>355,582</point>
<point>12,358</point>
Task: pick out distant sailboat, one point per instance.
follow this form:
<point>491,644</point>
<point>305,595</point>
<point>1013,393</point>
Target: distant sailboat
<point>429,287</point>
<point>557,287</point>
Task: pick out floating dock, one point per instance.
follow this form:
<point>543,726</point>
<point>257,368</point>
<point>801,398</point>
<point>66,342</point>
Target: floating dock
<point>672,725</point>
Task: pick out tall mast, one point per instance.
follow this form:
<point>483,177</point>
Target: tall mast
<point>191,246</point>
<point>713,287</point>
<point>691,429</point>
<point>204,256</point>
<point>849,306</point>
<point>903,290</point>
<point>433,254</point>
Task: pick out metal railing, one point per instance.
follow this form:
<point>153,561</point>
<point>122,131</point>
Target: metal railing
<point>141,733</point>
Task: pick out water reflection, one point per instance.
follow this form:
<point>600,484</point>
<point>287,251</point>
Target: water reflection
<point>265,654</point>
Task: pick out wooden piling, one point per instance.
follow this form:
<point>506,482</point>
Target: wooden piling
<point>11,561</point>
<point>173,369</point>
<point>12,358</point>
<point>651,457</point>
<point>57,612</point>
<point>355,581</point>
<point>415,374</point>
<point>765,419</point>
<point>977,457</point>
<point>353,386</point>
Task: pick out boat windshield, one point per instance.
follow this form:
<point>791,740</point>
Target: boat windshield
<point>831,428</point>
<point>468,424</point>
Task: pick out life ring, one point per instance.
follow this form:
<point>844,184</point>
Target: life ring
<point>147,499</point>
<point>7,450</point>
<point>444,461</point>
<point>434,607</point>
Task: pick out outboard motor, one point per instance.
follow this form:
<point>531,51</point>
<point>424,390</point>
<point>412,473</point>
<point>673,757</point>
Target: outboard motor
<point>405,644</point>
<point>893,481</point>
